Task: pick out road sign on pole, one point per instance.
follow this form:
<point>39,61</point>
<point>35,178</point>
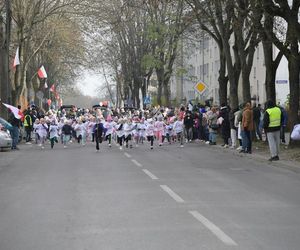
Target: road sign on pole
<point>200,87</point>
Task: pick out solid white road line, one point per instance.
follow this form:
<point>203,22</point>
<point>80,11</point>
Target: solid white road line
<point>127,155</point>
<point>175,196</point>
<point>214,229</point>
<point>136,163</point>
<point>152,176</point>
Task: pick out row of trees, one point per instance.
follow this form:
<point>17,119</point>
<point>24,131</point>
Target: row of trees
<point>47,33</point>
<point>144,41</point>
<point>132,41</point>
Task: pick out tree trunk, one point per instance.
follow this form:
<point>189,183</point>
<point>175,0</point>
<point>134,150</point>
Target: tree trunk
<point>246,84</point>
<point>223,80</point>
<point>294,71</point>
<point>160,79</point>
<point>270,71</point>
<point>232,76</point>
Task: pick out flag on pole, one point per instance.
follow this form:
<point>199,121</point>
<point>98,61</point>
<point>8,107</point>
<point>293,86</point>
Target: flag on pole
<point>17,113</point>
<point>17,58</point>
<point>42,72</point>
<point>52,89</point>
<point>46,85</point>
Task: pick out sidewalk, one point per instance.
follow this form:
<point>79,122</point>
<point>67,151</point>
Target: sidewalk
<point>289,157</point>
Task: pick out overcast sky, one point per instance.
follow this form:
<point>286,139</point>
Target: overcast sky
<point>89,83</point>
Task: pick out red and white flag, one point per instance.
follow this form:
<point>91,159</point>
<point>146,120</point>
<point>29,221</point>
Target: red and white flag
<point>17,58</point>
<point>42,72</point>
<point>17,113</point>
<point>52,89</point>
<point>46,85</point>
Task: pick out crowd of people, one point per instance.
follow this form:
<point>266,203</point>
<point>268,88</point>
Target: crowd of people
<point>157,126</point>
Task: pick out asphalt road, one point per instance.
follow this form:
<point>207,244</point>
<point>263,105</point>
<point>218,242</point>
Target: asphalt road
<point>196,197</point>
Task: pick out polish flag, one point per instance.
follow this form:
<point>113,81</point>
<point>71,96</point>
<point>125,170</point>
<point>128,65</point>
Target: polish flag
<point>52,89</point>
<point>17,58</point>
<point>17,113</point>
<point>60,102</point>
<point>46,85</point>
<point>42,72</point>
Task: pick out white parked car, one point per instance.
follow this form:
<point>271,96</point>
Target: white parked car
<point>5,138</point>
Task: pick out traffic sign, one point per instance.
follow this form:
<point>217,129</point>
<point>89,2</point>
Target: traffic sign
<point>200,87</point>
<point>147,100</point>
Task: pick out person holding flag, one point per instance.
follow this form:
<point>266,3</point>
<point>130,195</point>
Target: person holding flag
<point>15,116</point>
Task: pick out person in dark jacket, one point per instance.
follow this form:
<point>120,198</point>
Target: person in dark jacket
<point>256,119</point>
<point>188,124</point>
<point>225,126</point>
<point>66,132</point>
<point>99,132</point>
<point>16,123</point>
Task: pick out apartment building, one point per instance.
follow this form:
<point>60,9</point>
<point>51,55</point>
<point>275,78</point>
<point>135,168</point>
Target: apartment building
<point>198,61</point>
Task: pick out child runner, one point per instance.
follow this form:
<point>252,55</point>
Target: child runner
<point>36,135</point>
<point>67,132</point>
<point>142,130</point>
<point>53,133</point>
<point>109,127</point>
<point>42,130</point>
<point>120,132</point>
<point>178,128</point>
<point>98,132</point>
<point>128,128</point>
<point>150,132</point>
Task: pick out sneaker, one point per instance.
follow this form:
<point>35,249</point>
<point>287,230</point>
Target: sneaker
<point>65,146</point>
<point>207,142</point>
<point>43,147</point>
<point>40,145</point>
<point>109,145</point>
<point>190,140</point>
<point>151,147</point>
<point>239,148</point>
<point>121,147</point>
<point>181,146</point>
<point>28,143</point>
<point>226,146</point>
<point>275,158</point>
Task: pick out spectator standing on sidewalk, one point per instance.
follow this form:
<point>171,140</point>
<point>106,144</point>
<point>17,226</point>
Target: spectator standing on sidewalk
<point>247,128</point>
<point>283,125</point>
<point>256,119</point>
<point>16,124</point>
<point>273,119</point>
<point>28,126</point>
<point>188,125</point>
<point>225,125</point>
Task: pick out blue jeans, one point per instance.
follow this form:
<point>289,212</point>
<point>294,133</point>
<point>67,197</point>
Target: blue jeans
<point>246,141</point>
<point>212,137</point>
<point>14,136</point>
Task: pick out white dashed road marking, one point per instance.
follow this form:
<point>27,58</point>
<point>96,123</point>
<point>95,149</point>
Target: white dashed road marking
<point>136,163</point>
<point>152,176</point>
<point>175,196</point>
<point>127,155</point>
<point>214,229</point>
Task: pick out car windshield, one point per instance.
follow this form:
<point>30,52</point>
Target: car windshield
<point>5,123</point>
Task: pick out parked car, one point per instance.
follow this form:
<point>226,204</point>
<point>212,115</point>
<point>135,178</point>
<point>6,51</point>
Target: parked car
<point>5,138</point>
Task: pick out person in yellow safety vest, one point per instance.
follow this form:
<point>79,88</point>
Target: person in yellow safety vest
<point>272,122</point>
<point>28,125</point>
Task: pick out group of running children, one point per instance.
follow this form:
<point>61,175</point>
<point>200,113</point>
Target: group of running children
<point>126,131</point>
